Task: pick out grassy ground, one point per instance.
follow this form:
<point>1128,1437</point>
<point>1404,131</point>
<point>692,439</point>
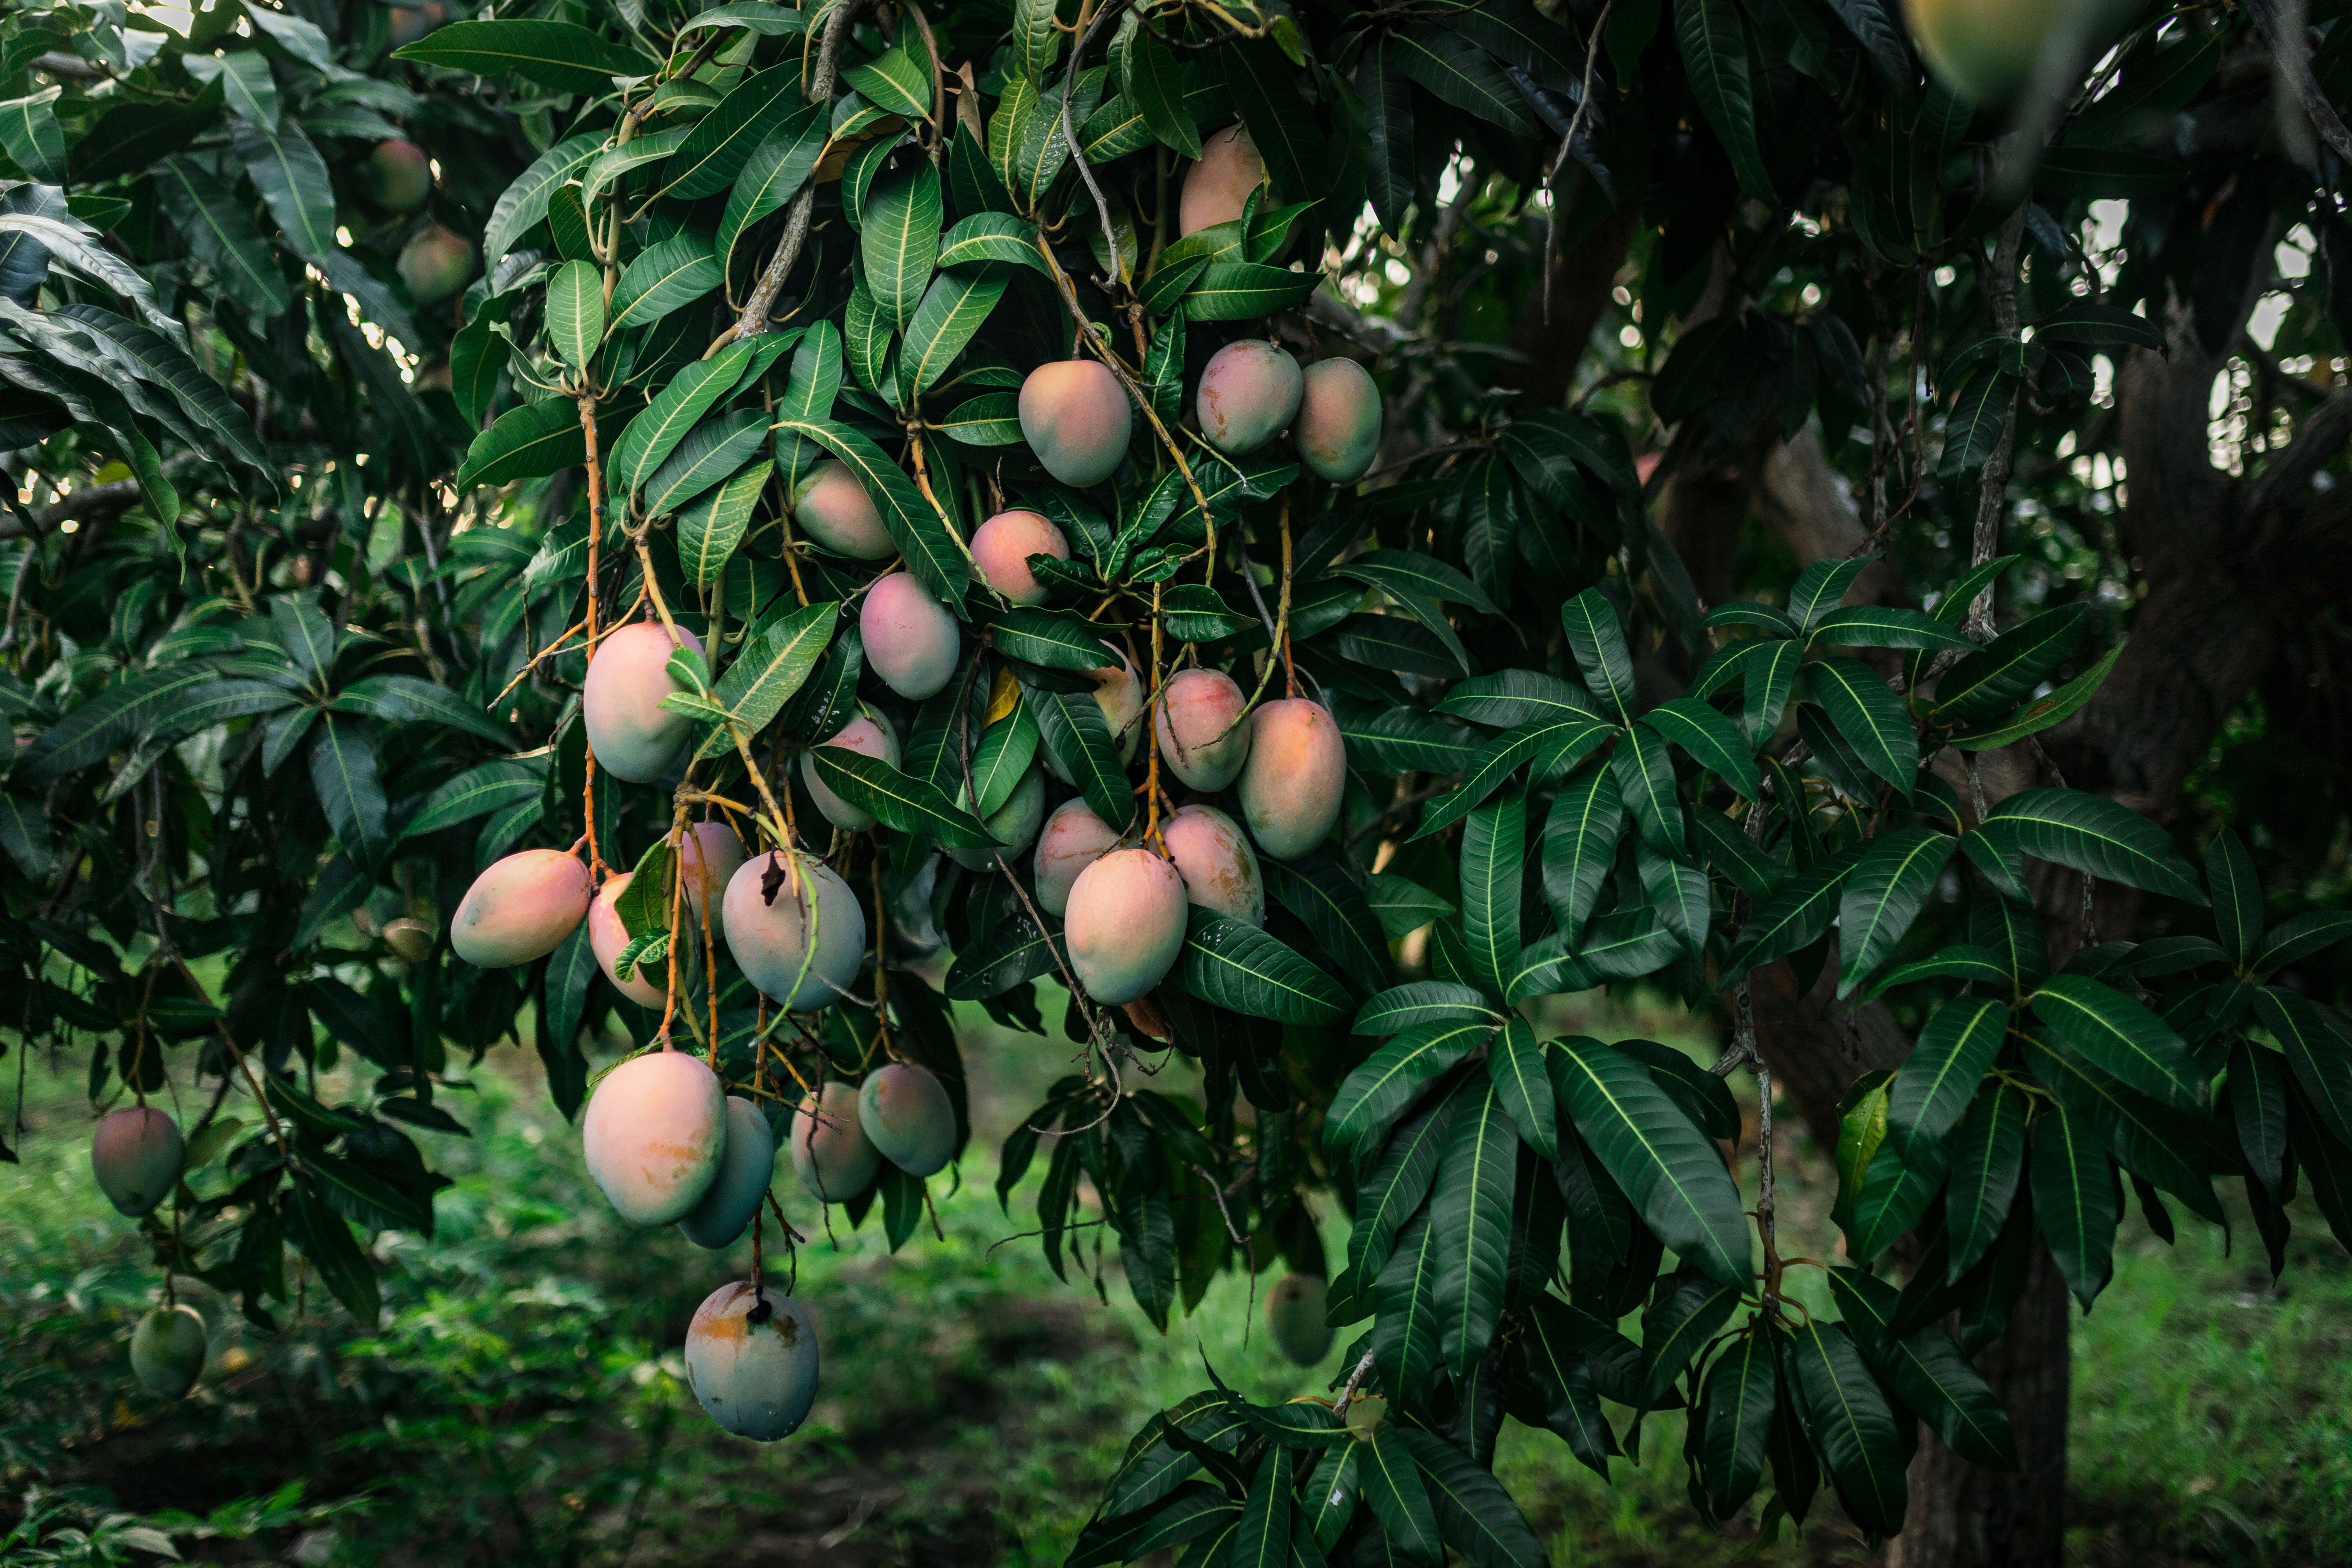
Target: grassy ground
<point>523,1402</point>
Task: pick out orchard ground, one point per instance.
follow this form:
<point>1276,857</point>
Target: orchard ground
<point>523,1400</point>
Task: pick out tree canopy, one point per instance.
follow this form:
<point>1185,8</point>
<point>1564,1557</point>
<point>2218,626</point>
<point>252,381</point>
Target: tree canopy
<point>1860,559</point>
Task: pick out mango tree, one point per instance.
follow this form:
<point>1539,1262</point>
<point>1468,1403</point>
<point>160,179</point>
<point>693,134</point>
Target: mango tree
<point>1313,530</point>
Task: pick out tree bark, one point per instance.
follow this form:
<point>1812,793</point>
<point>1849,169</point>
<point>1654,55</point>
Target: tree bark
<point>2232,571</point>
<point>1964,1514</point>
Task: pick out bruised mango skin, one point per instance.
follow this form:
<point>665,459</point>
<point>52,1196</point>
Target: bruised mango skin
<point>1193,724</point>
<point>1338,431</point>
<point>770,942</point>
<point>1294,1314</point>
<point>869,737</point>
<point>756,1379</point>
<point>167,1351</point>
<point>520,909</point>
<point>1073,839</point>
<point>1297,774</point>
<point>1218,187</point>
<point>1002,546</point>
<point>1249,393</point>
<point>1014,824</point>
<point>1125,924</point>
<point>834,508</point>
<point>707,856</point>
<point>632,735</point>
<point>134,1153</point>
<point>911,640</point>
<point>399,177</point>
<point>1075,417</point>
<point>654,1134</point>
<point>745,1170</point>
<point>908,1117</point>
<point>607,936</point>
<point>1213,857</point>
<point>831,1152</point>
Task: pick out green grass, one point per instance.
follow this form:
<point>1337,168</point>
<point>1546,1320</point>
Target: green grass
<point>523,1403</point>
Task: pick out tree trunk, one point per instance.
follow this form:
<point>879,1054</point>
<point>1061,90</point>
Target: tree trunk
<point>1963,1516</point>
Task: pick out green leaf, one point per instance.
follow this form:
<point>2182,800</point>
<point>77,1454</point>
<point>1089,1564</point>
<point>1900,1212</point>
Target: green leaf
<point>1244,290</point>
<point>2300,938</point>
<point>723,140</point>
<point>1734,1416</point>
<point>710,530</point>
<point>1561,1345</point>
<point>1822,586</point>
<point>767,674</point>
<point>1852,1425</point>
<point>158,360</point>
<point>993,419</point>
<point>343,772</point>
<point>772,175</point>
<point>1708,738</point>
<point>656,432</point>
<point>525,202</point>
<point>1980,414</point>
<point>1726,850</point>
<point>604,172</point>
<point>1242,969</point>
<point>921,537</point>
<point>324,1237</point>
<point>1035,43</point>
<point>1517,1068</point>
<point>2319,1048</point>
<point>1511,697</point>
<point>900,242</point>
<point>2075,1200</point>
<point>2043,712</point>
<point>1461,73</point>
<point>1871,718</point>
<point>1494,855</point>
<point>984,238</point>
<point>575,311</point>
<point>558,55</point>
<point>1580,845</point>
<point>1077,738</point>
<point>2236,890</point>
<point>223,237</point>
<point>894,82</point>
<point>1264,85</point>
<point>1715,56</point>
<point>1883,894</point>
<point>477,792</point>
<point>293,180</point>
<point>1927,1371</point>
<point>30,135</point>
<point>663,276</point>
<point>1987,1161</point>
<point>1474,1515</point>
<point>1792,919</point>
<point>1015,954</point>
<point>1590,622</point>
<point>712,452</point>
<point>1002,758</point>
<point>1877,626</point>
<point>1678,1327</point>
<point>1668,1167</point>
<point>1470,1212</point>
<point>2007,669</point>
<point>1938,1082</point>
<point>2121,1037</point>
<point>1422,1002</point>
<point>1336,913</point>
<point>1154,80</point>
<point>411,699</point>
<point>1395,1191</point>
<point>1376,1093</point>
<point>1392,1485</point>
<point>898,800</point>
<point>1054,640</point>
<point>1645,779</point>
<point>1555,745</point>
<point>954,308</point>
<point>528,442</point>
